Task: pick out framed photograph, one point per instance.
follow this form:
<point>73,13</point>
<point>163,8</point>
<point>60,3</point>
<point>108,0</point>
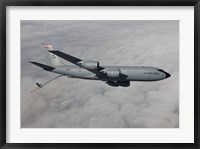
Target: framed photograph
<point>86,74</point>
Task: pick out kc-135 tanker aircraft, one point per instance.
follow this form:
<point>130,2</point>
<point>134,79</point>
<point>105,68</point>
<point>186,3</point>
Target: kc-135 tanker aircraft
<point>92,70</point>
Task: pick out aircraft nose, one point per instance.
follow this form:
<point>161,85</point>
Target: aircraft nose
<point>167,75</point>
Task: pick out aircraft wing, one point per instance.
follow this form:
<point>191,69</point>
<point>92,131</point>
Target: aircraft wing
<point>65,56</point>
<point>74,60</point>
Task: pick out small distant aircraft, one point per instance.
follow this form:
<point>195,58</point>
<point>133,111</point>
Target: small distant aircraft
<point>88,69</point>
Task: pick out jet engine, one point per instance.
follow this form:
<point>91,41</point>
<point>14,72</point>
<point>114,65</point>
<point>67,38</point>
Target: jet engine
<point>115,73</point>
<point>92,65</point>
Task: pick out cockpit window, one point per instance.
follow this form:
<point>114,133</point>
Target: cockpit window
<point>161,70</point>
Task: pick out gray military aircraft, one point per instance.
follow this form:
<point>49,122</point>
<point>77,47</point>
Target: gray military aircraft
<point>88,69</point>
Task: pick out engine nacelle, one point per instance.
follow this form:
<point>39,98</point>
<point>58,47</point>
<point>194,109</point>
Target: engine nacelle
<point>92,65</point>
<point>114,73</point>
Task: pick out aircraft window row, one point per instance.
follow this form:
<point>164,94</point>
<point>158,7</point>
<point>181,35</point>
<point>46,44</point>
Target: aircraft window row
<point>155,73</point>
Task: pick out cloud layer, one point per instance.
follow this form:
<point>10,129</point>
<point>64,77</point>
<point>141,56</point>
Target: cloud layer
<point>80,103</point>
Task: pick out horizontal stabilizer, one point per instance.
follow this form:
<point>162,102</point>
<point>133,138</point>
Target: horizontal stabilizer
<point>65,56</point>
<point>45,67</point>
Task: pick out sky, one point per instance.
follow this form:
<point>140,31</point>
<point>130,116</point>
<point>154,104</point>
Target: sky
<point>77,103</point>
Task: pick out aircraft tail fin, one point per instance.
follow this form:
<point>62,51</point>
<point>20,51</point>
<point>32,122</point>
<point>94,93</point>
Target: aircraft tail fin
<point>51,59</point>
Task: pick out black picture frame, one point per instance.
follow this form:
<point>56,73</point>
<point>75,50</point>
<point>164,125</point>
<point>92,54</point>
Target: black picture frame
<point>5,3</point>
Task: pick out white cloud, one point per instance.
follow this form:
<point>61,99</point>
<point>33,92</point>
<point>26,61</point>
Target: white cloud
<point>84,103</point>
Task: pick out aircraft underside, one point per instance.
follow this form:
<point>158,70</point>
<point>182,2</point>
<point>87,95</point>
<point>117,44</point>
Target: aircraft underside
<point>119,83</point>
<point>111,82</point>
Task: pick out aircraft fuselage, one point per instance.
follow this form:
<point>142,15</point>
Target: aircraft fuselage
<point>92,70</point>
<point>115,73</point>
